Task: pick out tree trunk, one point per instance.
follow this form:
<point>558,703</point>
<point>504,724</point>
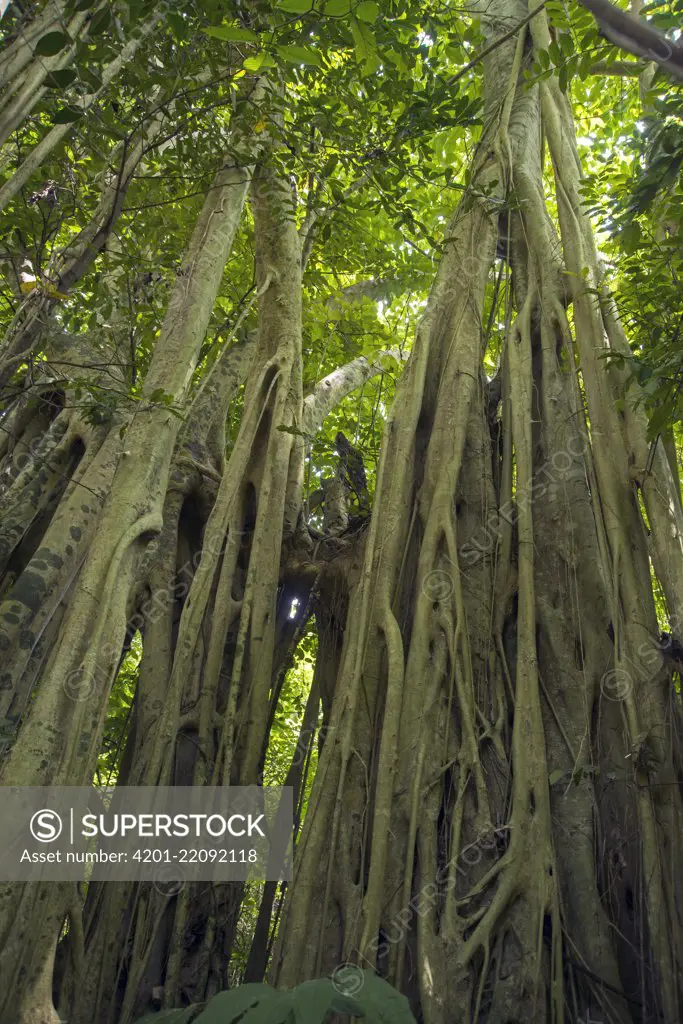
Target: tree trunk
<point>495,820</point>
<point>60,738</point>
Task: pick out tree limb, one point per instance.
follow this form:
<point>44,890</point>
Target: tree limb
<point>636,36</point>
<point>618,68</point>
<point>329,391</point>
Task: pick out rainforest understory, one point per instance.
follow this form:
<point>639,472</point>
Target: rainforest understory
<point>329,389</point>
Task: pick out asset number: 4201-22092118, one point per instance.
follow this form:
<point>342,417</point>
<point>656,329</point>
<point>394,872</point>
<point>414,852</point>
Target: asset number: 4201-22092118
<point>196,856</point>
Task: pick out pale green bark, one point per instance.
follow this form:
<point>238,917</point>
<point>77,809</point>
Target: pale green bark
<point>93,628</point>
<point>49,142</point>
<point>29,90</point>
<point>20,53</point>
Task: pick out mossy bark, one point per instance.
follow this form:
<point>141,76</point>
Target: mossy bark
<point>59,740</point>
<point>473,871</point>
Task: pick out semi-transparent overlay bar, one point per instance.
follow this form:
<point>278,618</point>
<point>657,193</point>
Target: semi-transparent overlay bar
<point>167,835</point>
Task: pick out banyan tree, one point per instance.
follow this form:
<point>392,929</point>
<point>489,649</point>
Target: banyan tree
<point>339,375</point>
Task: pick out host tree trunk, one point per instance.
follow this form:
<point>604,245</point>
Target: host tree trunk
<point>495,820</point>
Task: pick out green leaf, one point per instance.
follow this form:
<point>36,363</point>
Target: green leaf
<point>276,1008</point>
<point>67,115</point>
<point>397,60</point>
<point>227,1007</point>
<point>261,60</point>
<point>555,52</point>
<point>101,21</point>
<point>630,236</point>
<point>563,78</point>
<point>50,44</point>
<point>567,43</point>
<point>367,11</point>
<point>659,420</point>
<point>300,55</point>
<point>337,8</point>
<point>345,1004</point>
<point>60,78</point>
<point>555,777</point>
<point>182,1016</point>
<point>179,26</point>
<point>91,79</point>
<point>231,33</point>
<point>295,6</point>
<point>312,1000</point>
<point>365,46</point>
<point>330,165</point>
<point>381,1003</point>
<point>387,361</point>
